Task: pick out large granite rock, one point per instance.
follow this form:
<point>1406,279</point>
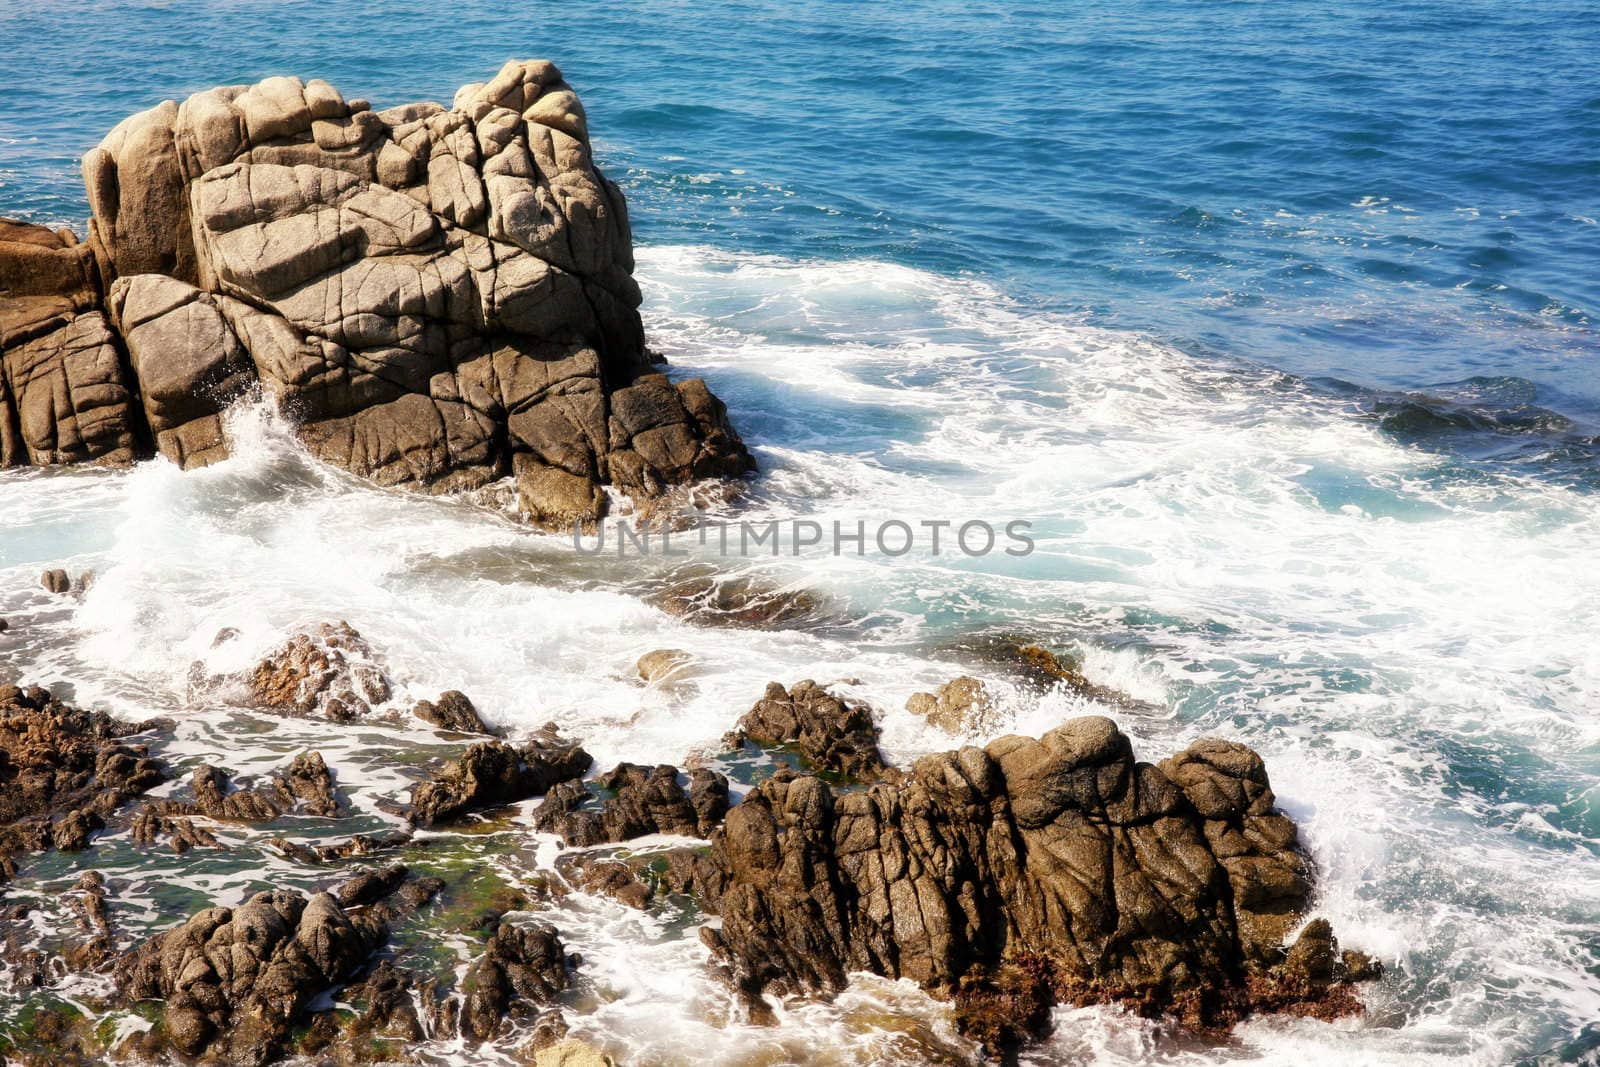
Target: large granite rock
<point>437,297</point>
<point>1030,872</point>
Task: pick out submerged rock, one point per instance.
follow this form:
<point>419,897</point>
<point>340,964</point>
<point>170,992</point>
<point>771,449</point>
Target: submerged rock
<point>1025,873</point>
<point>437,297</point>
<point>493,773</point>
<point>662,665</point>
<point>63,772</point>
<point>832,735</point>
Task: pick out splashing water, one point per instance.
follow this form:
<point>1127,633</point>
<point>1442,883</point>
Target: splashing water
<point>1401,632</point>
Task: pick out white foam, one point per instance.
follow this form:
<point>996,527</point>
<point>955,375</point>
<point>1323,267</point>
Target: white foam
<point>1406,644</point>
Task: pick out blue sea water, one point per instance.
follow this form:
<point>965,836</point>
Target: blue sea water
<point>1279,319</point>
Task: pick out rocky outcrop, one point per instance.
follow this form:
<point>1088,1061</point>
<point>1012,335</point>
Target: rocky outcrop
<point>233,980</point>
<point>493,773</point>
<point>1027,872</point>
<point>832,735</point>
<point>522,969</point>
<point>437,297</point>
<point>636,801</point>
<point>962,705</point>
<point>452,711</point>
<point>63,772</point>
<point>329,671</point>
<point>305,784</point>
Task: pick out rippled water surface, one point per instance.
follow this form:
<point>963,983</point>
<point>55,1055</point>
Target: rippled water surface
<point>1277,320</point>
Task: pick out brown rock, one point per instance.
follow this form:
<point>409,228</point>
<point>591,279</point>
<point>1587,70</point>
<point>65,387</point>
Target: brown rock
<point>1026,873</point>
<point>522,968</point>
<point>452,711</point>
<point>962,705</point>
<point>638,801</point>
<point>56,581</point>
<point>832,735</point>
<point>493,773</point>
<point>63,772</point>
<point>330,670</point>
<point>662,665</point>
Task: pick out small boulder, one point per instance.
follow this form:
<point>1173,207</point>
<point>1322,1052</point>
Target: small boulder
<point>662,665</point>
<point>493,773</point>
<point>829,733</point>
<point>572,1053</point>
<point>962,705</point>
<point>452,711</point>
<point>56,581</point>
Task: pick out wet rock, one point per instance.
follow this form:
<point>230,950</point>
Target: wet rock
<point>330,671</point>
<point>87,899</point>
<point>452,711</point>
<point>522,968</point>
<point>662,665</point>
<point>152,823</point>
<point>701,595</point>
<point>63,773</point>
<point>608,877</point>
<point>369,887</point>
<point>1048,870</point>
<point>1036,666</point>
<point>830,734</point>
<point>635,801</point>
<point>306,784</point>
<point>234,980</point>
<point>493,773</point>
<point>356,845</point>
<point>962,705</point>
<point>56,581</point>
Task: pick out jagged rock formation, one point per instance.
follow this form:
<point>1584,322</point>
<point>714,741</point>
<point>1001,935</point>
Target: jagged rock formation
<point>234,981</point>
<point>306,784</point>
<point>1026,872</point>
<point>437,297</point>
<point>492,773</point>
<point>832,735</point>
<point>641,800</point>
<point>522,969</point>
<point>63,772</point>
<point>330,671</point>
<point>452,711</point>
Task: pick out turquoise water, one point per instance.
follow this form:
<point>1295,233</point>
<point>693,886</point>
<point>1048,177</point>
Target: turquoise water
<point>1276,319</point>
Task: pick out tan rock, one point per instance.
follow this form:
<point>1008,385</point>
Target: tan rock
<point>962,705</point>
<point>572,1052</point>
<point>663,665</point>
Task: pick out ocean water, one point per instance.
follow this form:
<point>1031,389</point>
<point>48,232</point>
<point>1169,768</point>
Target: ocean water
<point>1275,320</point>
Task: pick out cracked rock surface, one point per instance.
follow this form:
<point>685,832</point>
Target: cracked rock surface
<point>437,297</point>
